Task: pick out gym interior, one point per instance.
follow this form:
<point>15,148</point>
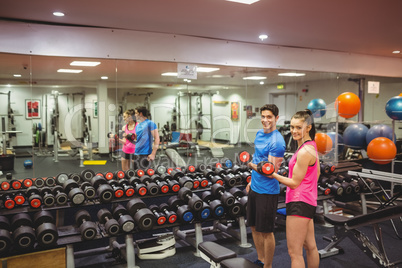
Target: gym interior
<point>65,199</point>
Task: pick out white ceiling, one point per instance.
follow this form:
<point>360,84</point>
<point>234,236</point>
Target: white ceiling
<point>370,27</point>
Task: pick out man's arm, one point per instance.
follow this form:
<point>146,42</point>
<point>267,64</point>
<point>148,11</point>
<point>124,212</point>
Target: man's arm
<point>155,135</point>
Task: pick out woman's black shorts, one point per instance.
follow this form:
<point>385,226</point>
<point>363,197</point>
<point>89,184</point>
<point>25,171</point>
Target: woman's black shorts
<point>301,209</point>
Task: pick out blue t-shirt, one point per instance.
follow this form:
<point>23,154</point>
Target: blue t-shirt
<point>144,137</point>
<point>266,144</point>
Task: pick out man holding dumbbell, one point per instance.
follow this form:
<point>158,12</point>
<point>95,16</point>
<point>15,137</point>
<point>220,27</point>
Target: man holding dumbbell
<point>147,139</point>
<point>262,191</point>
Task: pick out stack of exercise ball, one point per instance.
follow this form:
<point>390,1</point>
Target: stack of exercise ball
<point>393,108</point>
<point>317,107</point>
<point>324,143</point>
<point>347,104</point>
<point>354,136</point>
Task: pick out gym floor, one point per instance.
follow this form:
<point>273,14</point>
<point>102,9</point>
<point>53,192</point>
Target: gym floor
<point>185,257</point>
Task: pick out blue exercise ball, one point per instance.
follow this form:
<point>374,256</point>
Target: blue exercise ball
<point>317,107</point>
<point>28,163</point>
<point>354,136</point>
<point>340,140</point>
<point>378,131</point>
<point>393,108</point>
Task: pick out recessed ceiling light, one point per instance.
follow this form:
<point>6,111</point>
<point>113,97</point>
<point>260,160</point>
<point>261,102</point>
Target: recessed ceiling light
<point>254,78</point>
<point>187,80</point>
<point>169,74</point>
<point>248,2</point>
<point>263,37</point>
<point>104,77</point>
<point>71,71</point>
<point>206,69</point>
<point>291,74</point>
<point>261,82</point>
<point>17,75</point>
<point>58,14</point>
<point>85,63</point>
<point>396,52</point>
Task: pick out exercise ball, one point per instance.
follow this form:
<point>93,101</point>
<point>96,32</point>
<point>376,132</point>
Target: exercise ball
<point>378,131</point>
<point>28,163</point>
<point>400,94</point>
<point>393,108</point>
<point>354,136</point>
<point>348,104</point>
<point>324,143</point>
<point>317,107</point>
<point>340,140</point>
<point>381,150</point>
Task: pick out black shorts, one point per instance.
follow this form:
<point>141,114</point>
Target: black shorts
<point>141,162</point>
<point>300,209</point>
<point>127,156</point>
<point>261,211</point>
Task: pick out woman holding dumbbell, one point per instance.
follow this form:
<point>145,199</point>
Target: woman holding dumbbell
<point>301,193</point>
<point>128,146</point>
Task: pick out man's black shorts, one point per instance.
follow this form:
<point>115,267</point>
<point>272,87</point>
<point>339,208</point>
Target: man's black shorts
<point>261,211</point>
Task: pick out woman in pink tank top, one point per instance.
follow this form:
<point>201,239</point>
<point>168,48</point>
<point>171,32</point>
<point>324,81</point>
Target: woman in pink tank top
<point>128,147</point>
<point>301,192</point>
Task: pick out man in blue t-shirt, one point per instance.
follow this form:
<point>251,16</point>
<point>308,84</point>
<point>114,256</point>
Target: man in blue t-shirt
<point>147,139</point>
<point>262,191</point>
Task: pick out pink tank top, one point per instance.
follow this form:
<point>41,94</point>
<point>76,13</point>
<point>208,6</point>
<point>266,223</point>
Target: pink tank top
<point>307,190</point>
<point>129,147</point>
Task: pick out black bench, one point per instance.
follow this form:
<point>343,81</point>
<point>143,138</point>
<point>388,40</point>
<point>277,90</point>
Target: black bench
<point>219,256</point>
<point>347,227</point>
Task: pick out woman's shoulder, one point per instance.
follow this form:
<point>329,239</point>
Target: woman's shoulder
<point>308,150</point>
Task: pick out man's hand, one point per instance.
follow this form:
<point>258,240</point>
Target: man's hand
<point>151,157</point>
<point>248,187</point>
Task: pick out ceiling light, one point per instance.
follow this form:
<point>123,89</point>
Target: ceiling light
<point>104,77</point>
<point>261,82</point>
<point>396,52</point>
<point>58,14</point>
<point>254,78</point>
<point>71,71</point>
<point>291,74</point>
<point>169,74</point>
<point>85,63</point>
<point>248,2</point>
<point>206,69</point>
<point>263,37</point>
<point>187,80</point>
<point>17,75</point>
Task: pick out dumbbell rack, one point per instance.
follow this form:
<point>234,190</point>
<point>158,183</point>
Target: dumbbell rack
<point>69,235</point>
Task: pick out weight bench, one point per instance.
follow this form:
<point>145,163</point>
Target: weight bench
<point>219,256</point>
<point>348,227</point>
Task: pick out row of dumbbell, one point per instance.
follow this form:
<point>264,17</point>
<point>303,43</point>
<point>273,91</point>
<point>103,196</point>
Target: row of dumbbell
<point>22,232</point>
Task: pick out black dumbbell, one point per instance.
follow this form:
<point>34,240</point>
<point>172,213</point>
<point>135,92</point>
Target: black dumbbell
<point>5,236</point>
<point>86,226</point>
<point>204,182</point>
<point>283,171</point>
<point>326,168</point>
<point>183,180</point>
<point>139,187</point>
<point>27,182</point>
<point>105,217</point>
<point>129,173</point>
<point>38,182</point>
<point>89,190</point>
<point>45,229</point>
<point>353,183</point>
<point>117,189</point>
<point>34,198</point>
<point>204,213</point>
<point>125,221</point>
<point>194,201</point>
<point>336,188</point>
<point>244,157</point>
<point>152,187</point>
<point>201,167</point>
<point>23,234</point>
<point>131,137</point>
<point>19,198</point>
<point>8,201</point>
<point>243,172</point>
<point>173,184</point>
<point>226,198</point>
<point>212,177</point>
<point>87,174</point>
<point>170,215</point>
<point>143,217</point>
<point>161,170</point>
<point>190,169</point>
<point>266,168</point>
<point>230,180</point>
<point>75,176</point>
<point>50,182</point>
<point>324,190</point>
<point>74,193</point>
<point>127,188</point>
<point>5,186</point>
<point>216,206</point>
<point>103,190</point>
<point>61,197</point>
<point>150,172</point>
<point>16,184</point>
<point>240,197</point>
<point>108,175</point>
<point>48,197</point>
<point>119,174</point>
<point>61,178</point>
<point>182,210</point>
<point>195,180</point>
<point>163,186</point>
<point>160,216</point>
<point>347,188</point>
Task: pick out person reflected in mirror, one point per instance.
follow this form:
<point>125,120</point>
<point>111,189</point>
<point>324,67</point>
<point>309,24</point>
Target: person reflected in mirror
<point>128,149</point>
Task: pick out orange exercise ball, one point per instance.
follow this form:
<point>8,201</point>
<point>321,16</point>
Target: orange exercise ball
<point>400,94</point>
<point>381,150</point>
<point>348,104</point>
<point>324,143</point>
